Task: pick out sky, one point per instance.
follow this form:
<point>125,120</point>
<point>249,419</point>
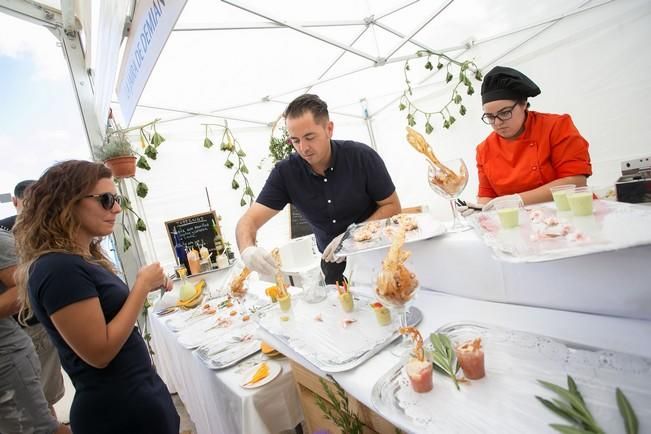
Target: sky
<point>37,106</point>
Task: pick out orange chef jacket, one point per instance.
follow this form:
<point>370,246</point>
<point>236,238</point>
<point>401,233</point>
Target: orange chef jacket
<point>549,148</point>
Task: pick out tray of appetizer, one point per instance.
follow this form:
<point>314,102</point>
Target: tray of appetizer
<point>469,377</point>
<point>378,234</point>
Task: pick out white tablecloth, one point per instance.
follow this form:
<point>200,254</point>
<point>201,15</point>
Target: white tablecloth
<point>611,283</point>
<point>214,399</point>
<point>619,334</point>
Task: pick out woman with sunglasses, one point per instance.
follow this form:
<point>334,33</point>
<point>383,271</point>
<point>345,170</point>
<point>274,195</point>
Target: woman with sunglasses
<point>67,282</point>
<point>528,152</point>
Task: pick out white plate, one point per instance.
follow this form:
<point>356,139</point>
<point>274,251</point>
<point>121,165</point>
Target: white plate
<point>274,369</point>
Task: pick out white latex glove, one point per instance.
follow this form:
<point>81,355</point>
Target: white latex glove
<point>468,208</point>
<point>258,259</point>
<point>492,204</point>
<point>329,251</point>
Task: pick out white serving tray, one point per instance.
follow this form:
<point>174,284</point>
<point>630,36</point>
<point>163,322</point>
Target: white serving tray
<point>504,401</point>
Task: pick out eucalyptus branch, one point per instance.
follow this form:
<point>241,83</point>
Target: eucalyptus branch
<point>465,68</point>
<point>337,408</point>
<point>572,408</point>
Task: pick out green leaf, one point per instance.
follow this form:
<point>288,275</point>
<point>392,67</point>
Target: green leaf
<point>446,124</point>
<point>466,81</point>
<point>439,65</point>
<point>462,110</point>
<point>452,120</point>
<point>571,386</point>
<point>228,164</point>
<point>428,128</point>
<point>566,429</point>
<point>241,153</point>
<point>559,411</point>
<point>242,202</point>
<point>448,78</point>
<point>157,139</point>
<point>625,408</point>
<point>207,143</point>
<point>248,191</point>
<point>143,164</point>
<point>570,398</point>
<point>457,99</point>
<point>407,66</point>
<point>140,225</point>
<point>478,75</point>
<point>402,106</point>
<point>223,146</point>
<point>235,185</point>
<point>142,190</point>
<point>470,90</point>
<point>429,65</point>
<point>151,152</point>
<point>126,243</point>
<point>125,203</point>
<point>244,169</point>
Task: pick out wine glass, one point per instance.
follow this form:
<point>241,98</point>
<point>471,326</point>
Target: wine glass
<point>401,307</point>
<point>448,180</point>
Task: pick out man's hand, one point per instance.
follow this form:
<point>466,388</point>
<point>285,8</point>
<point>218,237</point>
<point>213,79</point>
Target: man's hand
<point>329,252</point>
<point>258,259</point>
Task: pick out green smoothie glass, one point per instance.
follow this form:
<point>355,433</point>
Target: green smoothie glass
<point>559,193</point>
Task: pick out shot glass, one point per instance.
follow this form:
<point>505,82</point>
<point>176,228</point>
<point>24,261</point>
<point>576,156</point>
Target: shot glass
<point>560,193</point>
<point>508,211</point>
<point>581,201</point>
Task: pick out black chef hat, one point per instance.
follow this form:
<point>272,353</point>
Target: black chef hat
<point>502,82</point>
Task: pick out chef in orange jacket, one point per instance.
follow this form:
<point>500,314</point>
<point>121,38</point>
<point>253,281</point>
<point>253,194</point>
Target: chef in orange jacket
<point>528,152</point>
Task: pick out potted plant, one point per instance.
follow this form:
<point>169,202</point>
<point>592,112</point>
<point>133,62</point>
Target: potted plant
<point>118,155</point>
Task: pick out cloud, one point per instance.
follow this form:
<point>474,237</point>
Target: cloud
<point>24,39</point>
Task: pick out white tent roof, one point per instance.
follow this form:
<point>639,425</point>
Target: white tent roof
<point>231,59</point>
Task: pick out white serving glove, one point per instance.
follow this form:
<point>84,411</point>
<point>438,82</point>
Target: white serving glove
<point>258,259</point>
<point>329,251</point>
<point>467,209</point>
<point>491,205</point>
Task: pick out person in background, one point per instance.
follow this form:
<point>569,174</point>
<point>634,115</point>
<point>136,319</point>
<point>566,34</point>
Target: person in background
<point>51,377</point>
<point>333,183</point>
<point>19,190</point>
<point>23,407</point>
<point>528,152</point>
<point>68,283</point>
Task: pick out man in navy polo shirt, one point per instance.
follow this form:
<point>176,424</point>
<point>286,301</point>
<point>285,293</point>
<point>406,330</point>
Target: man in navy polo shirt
<point>333,183</point>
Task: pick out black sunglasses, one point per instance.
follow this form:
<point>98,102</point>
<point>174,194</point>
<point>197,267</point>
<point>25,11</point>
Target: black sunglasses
<point>107,200</point>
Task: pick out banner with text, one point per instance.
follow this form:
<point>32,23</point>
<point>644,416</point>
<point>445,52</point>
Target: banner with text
<point>153,21</point>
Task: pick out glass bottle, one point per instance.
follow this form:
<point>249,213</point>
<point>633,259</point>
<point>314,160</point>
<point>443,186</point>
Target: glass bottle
<point>179,249</point>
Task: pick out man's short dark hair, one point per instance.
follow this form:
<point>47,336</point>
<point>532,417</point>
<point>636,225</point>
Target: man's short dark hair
<point>19,189</point>
<point>308,103</point>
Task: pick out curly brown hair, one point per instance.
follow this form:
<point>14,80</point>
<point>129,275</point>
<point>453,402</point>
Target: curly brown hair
<point>48,223</point>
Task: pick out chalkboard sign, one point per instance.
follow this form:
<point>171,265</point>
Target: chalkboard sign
<point>299,227</point>
<point>194,230</point>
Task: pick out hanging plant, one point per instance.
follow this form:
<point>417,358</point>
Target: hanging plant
<point>280,147</point>
<point>463,71</point>
<point>234,160</point>
<point>117,145</point>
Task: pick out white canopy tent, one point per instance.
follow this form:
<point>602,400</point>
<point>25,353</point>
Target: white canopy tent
<point>243,61</point>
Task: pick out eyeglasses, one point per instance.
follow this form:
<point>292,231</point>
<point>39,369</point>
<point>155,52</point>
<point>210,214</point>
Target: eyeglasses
<point>107,200</point>
<point>504,115</point>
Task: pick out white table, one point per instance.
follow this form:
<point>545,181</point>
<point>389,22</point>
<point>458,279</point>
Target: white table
<point>214,399</point>
<point>625,335</point>
<point>612,283</point>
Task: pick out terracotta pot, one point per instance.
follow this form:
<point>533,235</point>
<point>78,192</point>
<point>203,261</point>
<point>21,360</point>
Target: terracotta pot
<point>122,167</point>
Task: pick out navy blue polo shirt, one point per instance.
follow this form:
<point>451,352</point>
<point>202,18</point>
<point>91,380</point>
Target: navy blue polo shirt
<point>348,193</point>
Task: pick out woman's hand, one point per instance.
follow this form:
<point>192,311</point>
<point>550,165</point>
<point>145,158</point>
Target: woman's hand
<point>153,277</point>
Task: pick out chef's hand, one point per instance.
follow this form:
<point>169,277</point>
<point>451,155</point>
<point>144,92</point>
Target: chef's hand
<point>329,252</point>
<point>492,204</point>
<point>258,259</point>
